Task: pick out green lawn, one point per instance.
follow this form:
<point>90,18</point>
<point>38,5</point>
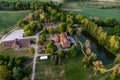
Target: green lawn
<point>90,11</point>
<point>72,69</point>
<point>10,18</point>
<point>14,53</point>
<point>103,13</point>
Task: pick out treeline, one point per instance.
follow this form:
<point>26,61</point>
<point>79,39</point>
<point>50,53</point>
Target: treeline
<point>14,68</point>
<point>110,23</point>
<point>110,42</point>
<point>20,5</point>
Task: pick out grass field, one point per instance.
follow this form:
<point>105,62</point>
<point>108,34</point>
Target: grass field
<point>14,53</point>
<point>71,70</point>
<point>89,11</point>
<point>10,18</point>
<point>103,13</point>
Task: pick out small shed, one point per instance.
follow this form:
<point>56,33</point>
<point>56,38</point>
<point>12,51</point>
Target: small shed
<point>43,57</point>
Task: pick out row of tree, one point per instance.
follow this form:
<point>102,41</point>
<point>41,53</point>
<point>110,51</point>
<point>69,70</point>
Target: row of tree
<point>13,68</point>
<point>35,21</point>
<point>21,5</point>
<point>111,42</point>
<point>111,23</point>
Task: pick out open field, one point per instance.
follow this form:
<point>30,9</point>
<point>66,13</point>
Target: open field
<point>14,53</point>
<point>10,18</point>
<point>103,13</point>
<point>71,70</point>
<point>90,11</point>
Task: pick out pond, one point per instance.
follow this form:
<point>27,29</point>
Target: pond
<point>102,54</point>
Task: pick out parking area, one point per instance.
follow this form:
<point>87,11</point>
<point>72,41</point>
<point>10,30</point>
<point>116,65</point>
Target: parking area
<point>17,34</point>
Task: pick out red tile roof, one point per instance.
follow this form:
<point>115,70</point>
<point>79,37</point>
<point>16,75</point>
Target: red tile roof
<point>41,48</point>
<point>62,38</point>
<point>17,43</point>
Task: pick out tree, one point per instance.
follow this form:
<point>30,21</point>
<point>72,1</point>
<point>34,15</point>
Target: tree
<point>53,12</point>
<point>45,31</point>
<point>30,16</point>
<point>60,53</point>
<point>26,78</point>
<point>17,73</point>
<point>39,26</point>
<point>27,71</point>
<point>73,51</point>
<point>114,43</point>
<point>110,22</point>
<point>18,5</point>
<point>87,61</point>
<point>4,73</point>
<point>98,66</point>
<point>60,56</point>
<point>49,9</point>
<point>27,27</point>
<point>11,63</point>
<point>79,18</point>
<point>62,17</point>
<point>117,30</point>
<point>51,30</point>
<point>28,32</point>
<point>22,23</point>
<point>43,37</point>
<point>69,21</point>
<point>117,59</point>
<point>31,50</point>
<point>51,48</point>
<point>5,32</point>
<point>33,26</point>
<point>92,57</point>
<point>18,62</point>
<point>62,27</point>
<point>69,30</point>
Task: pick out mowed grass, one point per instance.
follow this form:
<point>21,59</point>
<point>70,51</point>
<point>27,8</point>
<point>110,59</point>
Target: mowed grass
<point>89,11</point>
<point>103,13</point>
<point>14,53</point>
<point>72,69</point>
<point>10,18</point>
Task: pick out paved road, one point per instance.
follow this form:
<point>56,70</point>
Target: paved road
<point>111,69</point>
<point>35,55</point>
<point>68,9</point>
